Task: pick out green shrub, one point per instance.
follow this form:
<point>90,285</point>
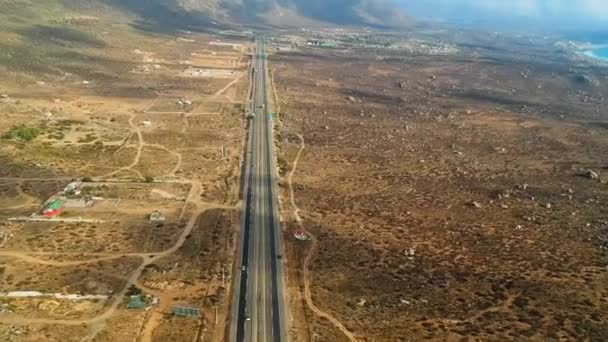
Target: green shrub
<point>22,133</point>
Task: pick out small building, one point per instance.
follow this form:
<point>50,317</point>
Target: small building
<point>156,216</point>
<point>136,302</point>
<point>53,208</point>
<point>73,189</point>
<point>186,311</point>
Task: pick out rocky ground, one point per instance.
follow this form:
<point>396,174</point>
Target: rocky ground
<point>451,197</point>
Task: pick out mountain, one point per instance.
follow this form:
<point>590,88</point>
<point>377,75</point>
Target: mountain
<point>289,13</point>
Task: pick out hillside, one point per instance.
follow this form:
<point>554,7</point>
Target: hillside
<point>206,13</point>
<point>52,37</point>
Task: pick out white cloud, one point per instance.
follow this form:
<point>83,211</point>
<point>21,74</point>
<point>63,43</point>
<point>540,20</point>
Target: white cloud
<point>591,8</point>
<point>517,7</point>
<point>585,12</point>
<point>597,9</point>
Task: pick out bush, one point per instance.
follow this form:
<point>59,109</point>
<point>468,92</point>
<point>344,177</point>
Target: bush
<point>22,133</point>
<point>133,291</point>
<point>149,179</point>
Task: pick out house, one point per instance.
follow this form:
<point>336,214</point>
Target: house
<point>53,208</point>
<point>156,216</point>
<point>73,189</point>
<point>136,302</point>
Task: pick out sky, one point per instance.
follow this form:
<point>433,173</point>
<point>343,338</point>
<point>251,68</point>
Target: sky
<point>539,14</point>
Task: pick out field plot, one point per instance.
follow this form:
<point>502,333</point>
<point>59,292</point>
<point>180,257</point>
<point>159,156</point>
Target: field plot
<point>177,106</point>
<point>196,275</point>
<point>121,214</point>
<point>124,325</point>
<point>213,60</point>
<point>24,195</point>
<point>46,332</point>
<point>52,289</point>
<point>94,278</point>
<point>448,198</point>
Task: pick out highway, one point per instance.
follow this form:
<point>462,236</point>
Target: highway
<point>259,304</point>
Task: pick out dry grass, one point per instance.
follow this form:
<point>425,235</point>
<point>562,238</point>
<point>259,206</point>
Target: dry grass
<point>387,183</point>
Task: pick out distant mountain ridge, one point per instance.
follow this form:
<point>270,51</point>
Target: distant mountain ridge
<point>379,13</point>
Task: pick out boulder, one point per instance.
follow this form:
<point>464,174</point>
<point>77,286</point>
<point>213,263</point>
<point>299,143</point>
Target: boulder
<point>590,174</point>
<point>475,204</point>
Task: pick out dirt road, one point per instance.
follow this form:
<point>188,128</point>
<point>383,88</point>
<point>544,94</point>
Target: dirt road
<point>311,251</point>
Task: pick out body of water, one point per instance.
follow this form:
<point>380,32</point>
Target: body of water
<point>601,53</point>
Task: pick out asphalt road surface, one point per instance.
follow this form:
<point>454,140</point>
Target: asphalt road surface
<point>259,311</point>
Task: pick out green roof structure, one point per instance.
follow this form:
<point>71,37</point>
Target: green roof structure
<point>55,204</point>
<point>135,302</point>
<point>186,312</point>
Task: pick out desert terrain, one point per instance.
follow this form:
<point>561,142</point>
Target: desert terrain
<point>453,187</point>
<point>120,149</point>
<point>447,185</point>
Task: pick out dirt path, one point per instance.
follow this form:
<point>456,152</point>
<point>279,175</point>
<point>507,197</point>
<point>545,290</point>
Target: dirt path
<point>123,143</point>
<point>195,190</point>
<point>154,320</point>
<point>29,201</point>
<point>167,298</point>
<point>98,323</point>
<point>33,260</point>
<point>178,156</point>
<point>277,105</point>
<point>233,82</point>
<point>296,213</point>
<point>140,146</point>
<point>308,296</point>
<point>36,179</point>
<point>156,315</point>
<point>292,196</point>
<point>185,124</point>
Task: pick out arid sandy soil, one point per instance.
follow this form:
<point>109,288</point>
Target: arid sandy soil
<point>151,123</point>
<point>450,197</point>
